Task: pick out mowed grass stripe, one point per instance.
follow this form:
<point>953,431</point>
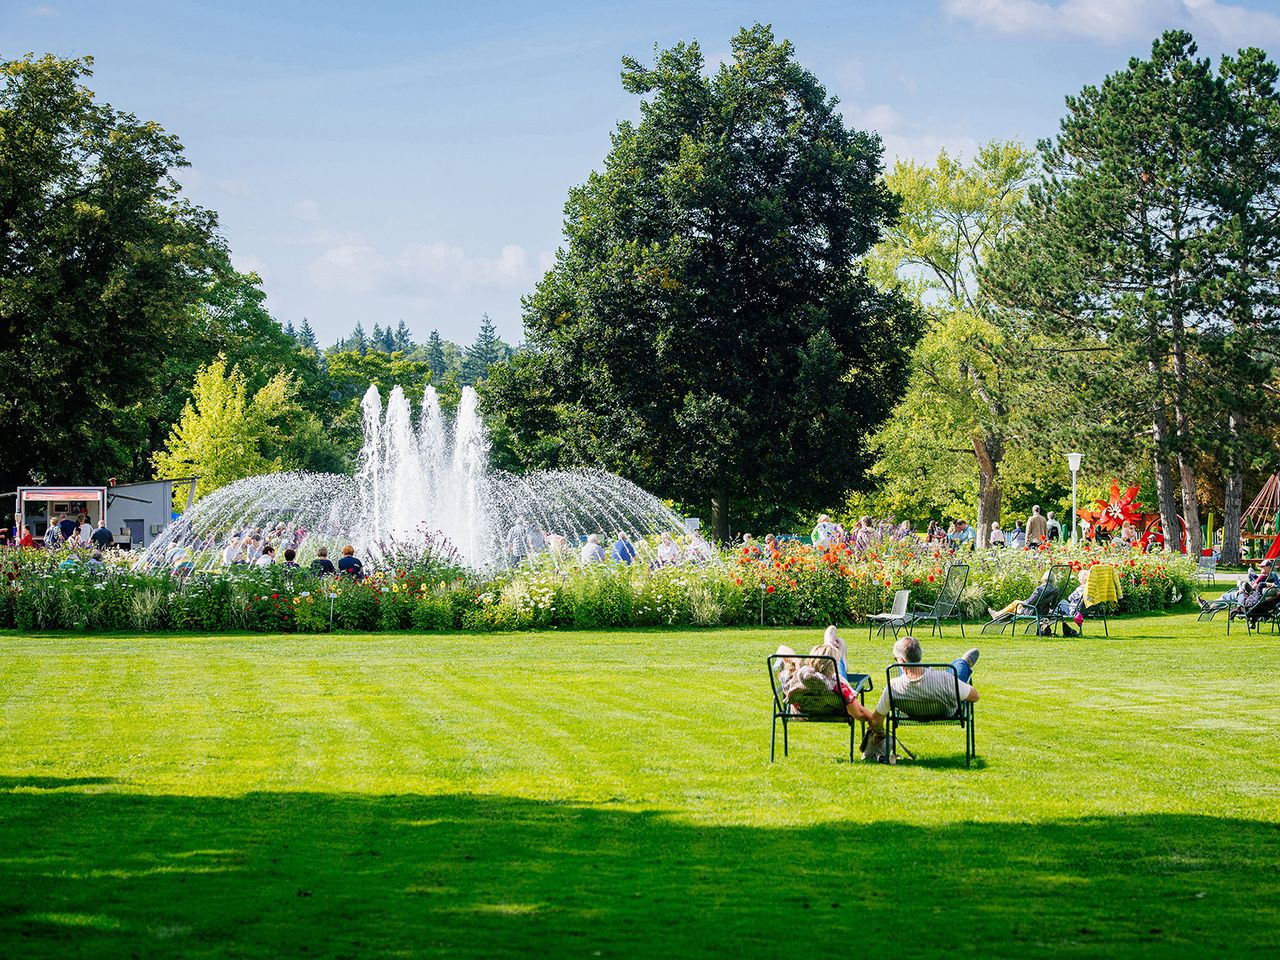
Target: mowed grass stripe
<point>572,793</point>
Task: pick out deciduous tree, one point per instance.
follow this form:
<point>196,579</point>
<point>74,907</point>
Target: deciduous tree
<point>707,328</point>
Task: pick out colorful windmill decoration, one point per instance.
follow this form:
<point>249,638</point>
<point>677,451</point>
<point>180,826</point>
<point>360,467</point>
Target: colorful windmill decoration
<point>1112,514</point>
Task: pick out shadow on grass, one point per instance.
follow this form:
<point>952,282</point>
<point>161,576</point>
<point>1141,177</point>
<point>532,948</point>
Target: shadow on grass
<point>115,874</point>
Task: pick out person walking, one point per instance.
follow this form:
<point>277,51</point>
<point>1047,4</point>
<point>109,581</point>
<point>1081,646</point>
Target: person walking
<point>1037,528</point>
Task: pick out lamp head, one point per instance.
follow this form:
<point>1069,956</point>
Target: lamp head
<point>1073,461</point>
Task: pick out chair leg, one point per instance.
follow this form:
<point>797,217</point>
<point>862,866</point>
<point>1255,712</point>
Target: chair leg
<point>773,736</point>
<point>785,744</point>
<point>1105,629</point>
<point>961,620</point>
<point>852,729</point>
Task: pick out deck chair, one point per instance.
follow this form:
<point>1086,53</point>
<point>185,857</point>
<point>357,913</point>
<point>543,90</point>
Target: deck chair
<point>907,710</point>
<point>1101,590</point>
<point>1207,569</point>
<point>830,709</point>
<point>1266,610</point>
<point>894,619</point>
<point>1045,614</point>
<point>946,606</point>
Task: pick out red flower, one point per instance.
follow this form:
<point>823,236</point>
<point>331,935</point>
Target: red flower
<point>930,578</point>
<point>275,596</point>
<point>738,581</point>
<point>917,579</point>
<point>770,589</point>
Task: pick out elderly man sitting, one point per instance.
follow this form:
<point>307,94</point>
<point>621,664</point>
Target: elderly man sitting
<point>1246,591</point>
<point>933,691</point>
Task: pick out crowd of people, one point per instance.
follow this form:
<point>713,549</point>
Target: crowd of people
<point>65,528</point>
<point>525,540</point>
<point>1039,528</point>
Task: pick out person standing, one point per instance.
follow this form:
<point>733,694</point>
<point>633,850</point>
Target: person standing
<point>823,533</point>
<point>1055,528</point>
<point>102,538</point>
<point>1037,528</point>
<point>67,527</point>
<point>997,535</point>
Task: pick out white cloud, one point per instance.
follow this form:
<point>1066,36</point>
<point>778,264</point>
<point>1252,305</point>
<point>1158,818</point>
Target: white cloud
<point>852,76</point>
<point>422,268</point>
<point>246,263</point>
<point>307,210</point>
<point>1119,21</point>
<point>905,140</point>
<point>43,10</point>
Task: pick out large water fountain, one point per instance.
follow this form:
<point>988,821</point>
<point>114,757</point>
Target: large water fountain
<point>422,484</point>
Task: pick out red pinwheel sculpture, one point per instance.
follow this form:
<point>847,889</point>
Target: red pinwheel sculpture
<point>1111,515</point>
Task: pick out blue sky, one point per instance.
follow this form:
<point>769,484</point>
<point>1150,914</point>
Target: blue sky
<point>397,160</point>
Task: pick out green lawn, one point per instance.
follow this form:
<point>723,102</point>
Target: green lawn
<point>590,795</point>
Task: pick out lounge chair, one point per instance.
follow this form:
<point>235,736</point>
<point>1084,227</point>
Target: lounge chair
<point>907,710</point>
<point>830,709</point>
<point>1207,569</point>
<point>895,619</point>
<point>946,606</point>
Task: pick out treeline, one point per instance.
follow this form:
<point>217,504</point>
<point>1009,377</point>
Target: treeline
<point>1113,292</point>
<point>129,345</point>
<point>747,315</point>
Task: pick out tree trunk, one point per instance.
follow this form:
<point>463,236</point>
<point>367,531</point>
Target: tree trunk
<point>1186,466</point>
<point>720,516</point>
<point>1231,519</point>
<point>1164,476</point>
<point>1190,506</point>
<point>1234,499</point>
<point>1160,441</point>
<point>990,453</point>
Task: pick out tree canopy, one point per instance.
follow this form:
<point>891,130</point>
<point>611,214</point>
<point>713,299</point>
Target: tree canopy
<point>708,329</point>
<point>101,262</point>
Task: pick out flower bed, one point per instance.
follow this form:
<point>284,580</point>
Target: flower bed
<point>799,586</point>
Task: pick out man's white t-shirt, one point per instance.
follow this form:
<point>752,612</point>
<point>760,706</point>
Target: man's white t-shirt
<point>934,691</point>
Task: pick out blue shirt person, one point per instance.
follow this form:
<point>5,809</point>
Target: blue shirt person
<point>623,551</point>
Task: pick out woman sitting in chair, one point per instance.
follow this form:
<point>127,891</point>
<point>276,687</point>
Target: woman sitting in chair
<point>808,685</point>
<point>1030,604</point>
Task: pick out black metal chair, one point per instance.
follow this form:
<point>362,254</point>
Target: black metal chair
<point>832,712</point>
<point>921,708</point>
<point>946,606</point>
<point>1044,613</point>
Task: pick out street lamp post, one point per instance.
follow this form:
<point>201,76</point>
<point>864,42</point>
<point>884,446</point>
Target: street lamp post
<point>1073,463</point>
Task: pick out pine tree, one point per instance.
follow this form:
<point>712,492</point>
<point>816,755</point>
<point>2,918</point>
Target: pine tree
<point>435,356</point>
<point>404,339</point>
<point>375,338</point>
<point>481,355</point>
<point>307,336</point>
<point>288,328</point>
<point>358,341</point>
<point>388,344</point>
